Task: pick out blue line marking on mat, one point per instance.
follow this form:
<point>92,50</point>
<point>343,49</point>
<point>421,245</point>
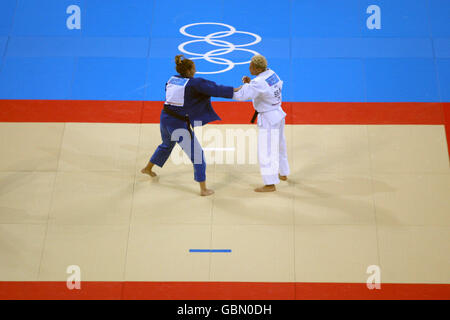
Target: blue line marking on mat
<point>209,250</point>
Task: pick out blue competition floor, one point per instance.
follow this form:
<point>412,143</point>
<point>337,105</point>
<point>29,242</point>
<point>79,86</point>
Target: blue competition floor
<point>324,50</point>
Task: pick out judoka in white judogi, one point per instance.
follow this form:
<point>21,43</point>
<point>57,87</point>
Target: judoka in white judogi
<point>265,92</point>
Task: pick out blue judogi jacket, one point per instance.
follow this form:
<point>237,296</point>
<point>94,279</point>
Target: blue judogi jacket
<point>195,99</point>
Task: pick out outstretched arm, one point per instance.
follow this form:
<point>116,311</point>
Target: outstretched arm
<point>212,89</point>
<point>248,91</point>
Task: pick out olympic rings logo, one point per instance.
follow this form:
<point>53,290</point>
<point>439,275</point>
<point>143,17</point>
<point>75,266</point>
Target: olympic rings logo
<point>215,39</point>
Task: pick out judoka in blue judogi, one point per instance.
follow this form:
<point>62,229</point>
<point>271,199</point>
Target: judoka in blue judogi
<point>188,103</point>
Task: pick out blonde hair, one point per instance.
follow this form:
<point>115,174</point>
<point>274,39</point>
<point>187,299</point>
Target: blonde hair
<point>259,62</point>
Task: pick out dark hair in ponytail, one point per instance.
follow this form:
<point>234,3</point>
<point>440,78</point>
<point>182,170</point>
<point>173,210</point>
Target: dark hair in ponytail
<point>183,65</point>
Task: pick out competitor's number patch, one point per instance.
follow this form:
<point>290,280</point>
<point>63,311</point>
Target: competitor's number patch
<point>178,81</point>
<point>273,79</point>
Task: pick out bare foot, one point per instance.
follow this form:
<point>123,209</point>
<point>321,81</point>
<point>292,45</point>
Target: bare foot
<point>149,172</point>
<point>284,178</point>
<point>206,192</point>
<point>268,188</point>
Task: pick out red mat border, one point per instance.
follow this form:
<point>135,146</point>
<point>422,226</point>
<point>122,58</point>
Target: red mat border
<point>220,291</point>
<point>326,113</point>
<point>230,112</point>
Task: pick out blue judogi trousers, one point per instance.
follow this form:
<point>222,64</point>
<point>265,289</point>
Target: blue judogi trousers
<point>174,131</point>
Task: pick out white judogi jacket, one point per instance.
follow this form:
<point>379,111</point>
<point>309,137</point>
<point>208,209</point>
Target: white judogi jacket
<point>265,92</point>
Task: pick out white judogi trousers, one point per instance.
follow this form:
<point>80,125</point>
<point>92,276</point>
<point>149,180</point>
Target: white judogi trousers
<point>272,150</point>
